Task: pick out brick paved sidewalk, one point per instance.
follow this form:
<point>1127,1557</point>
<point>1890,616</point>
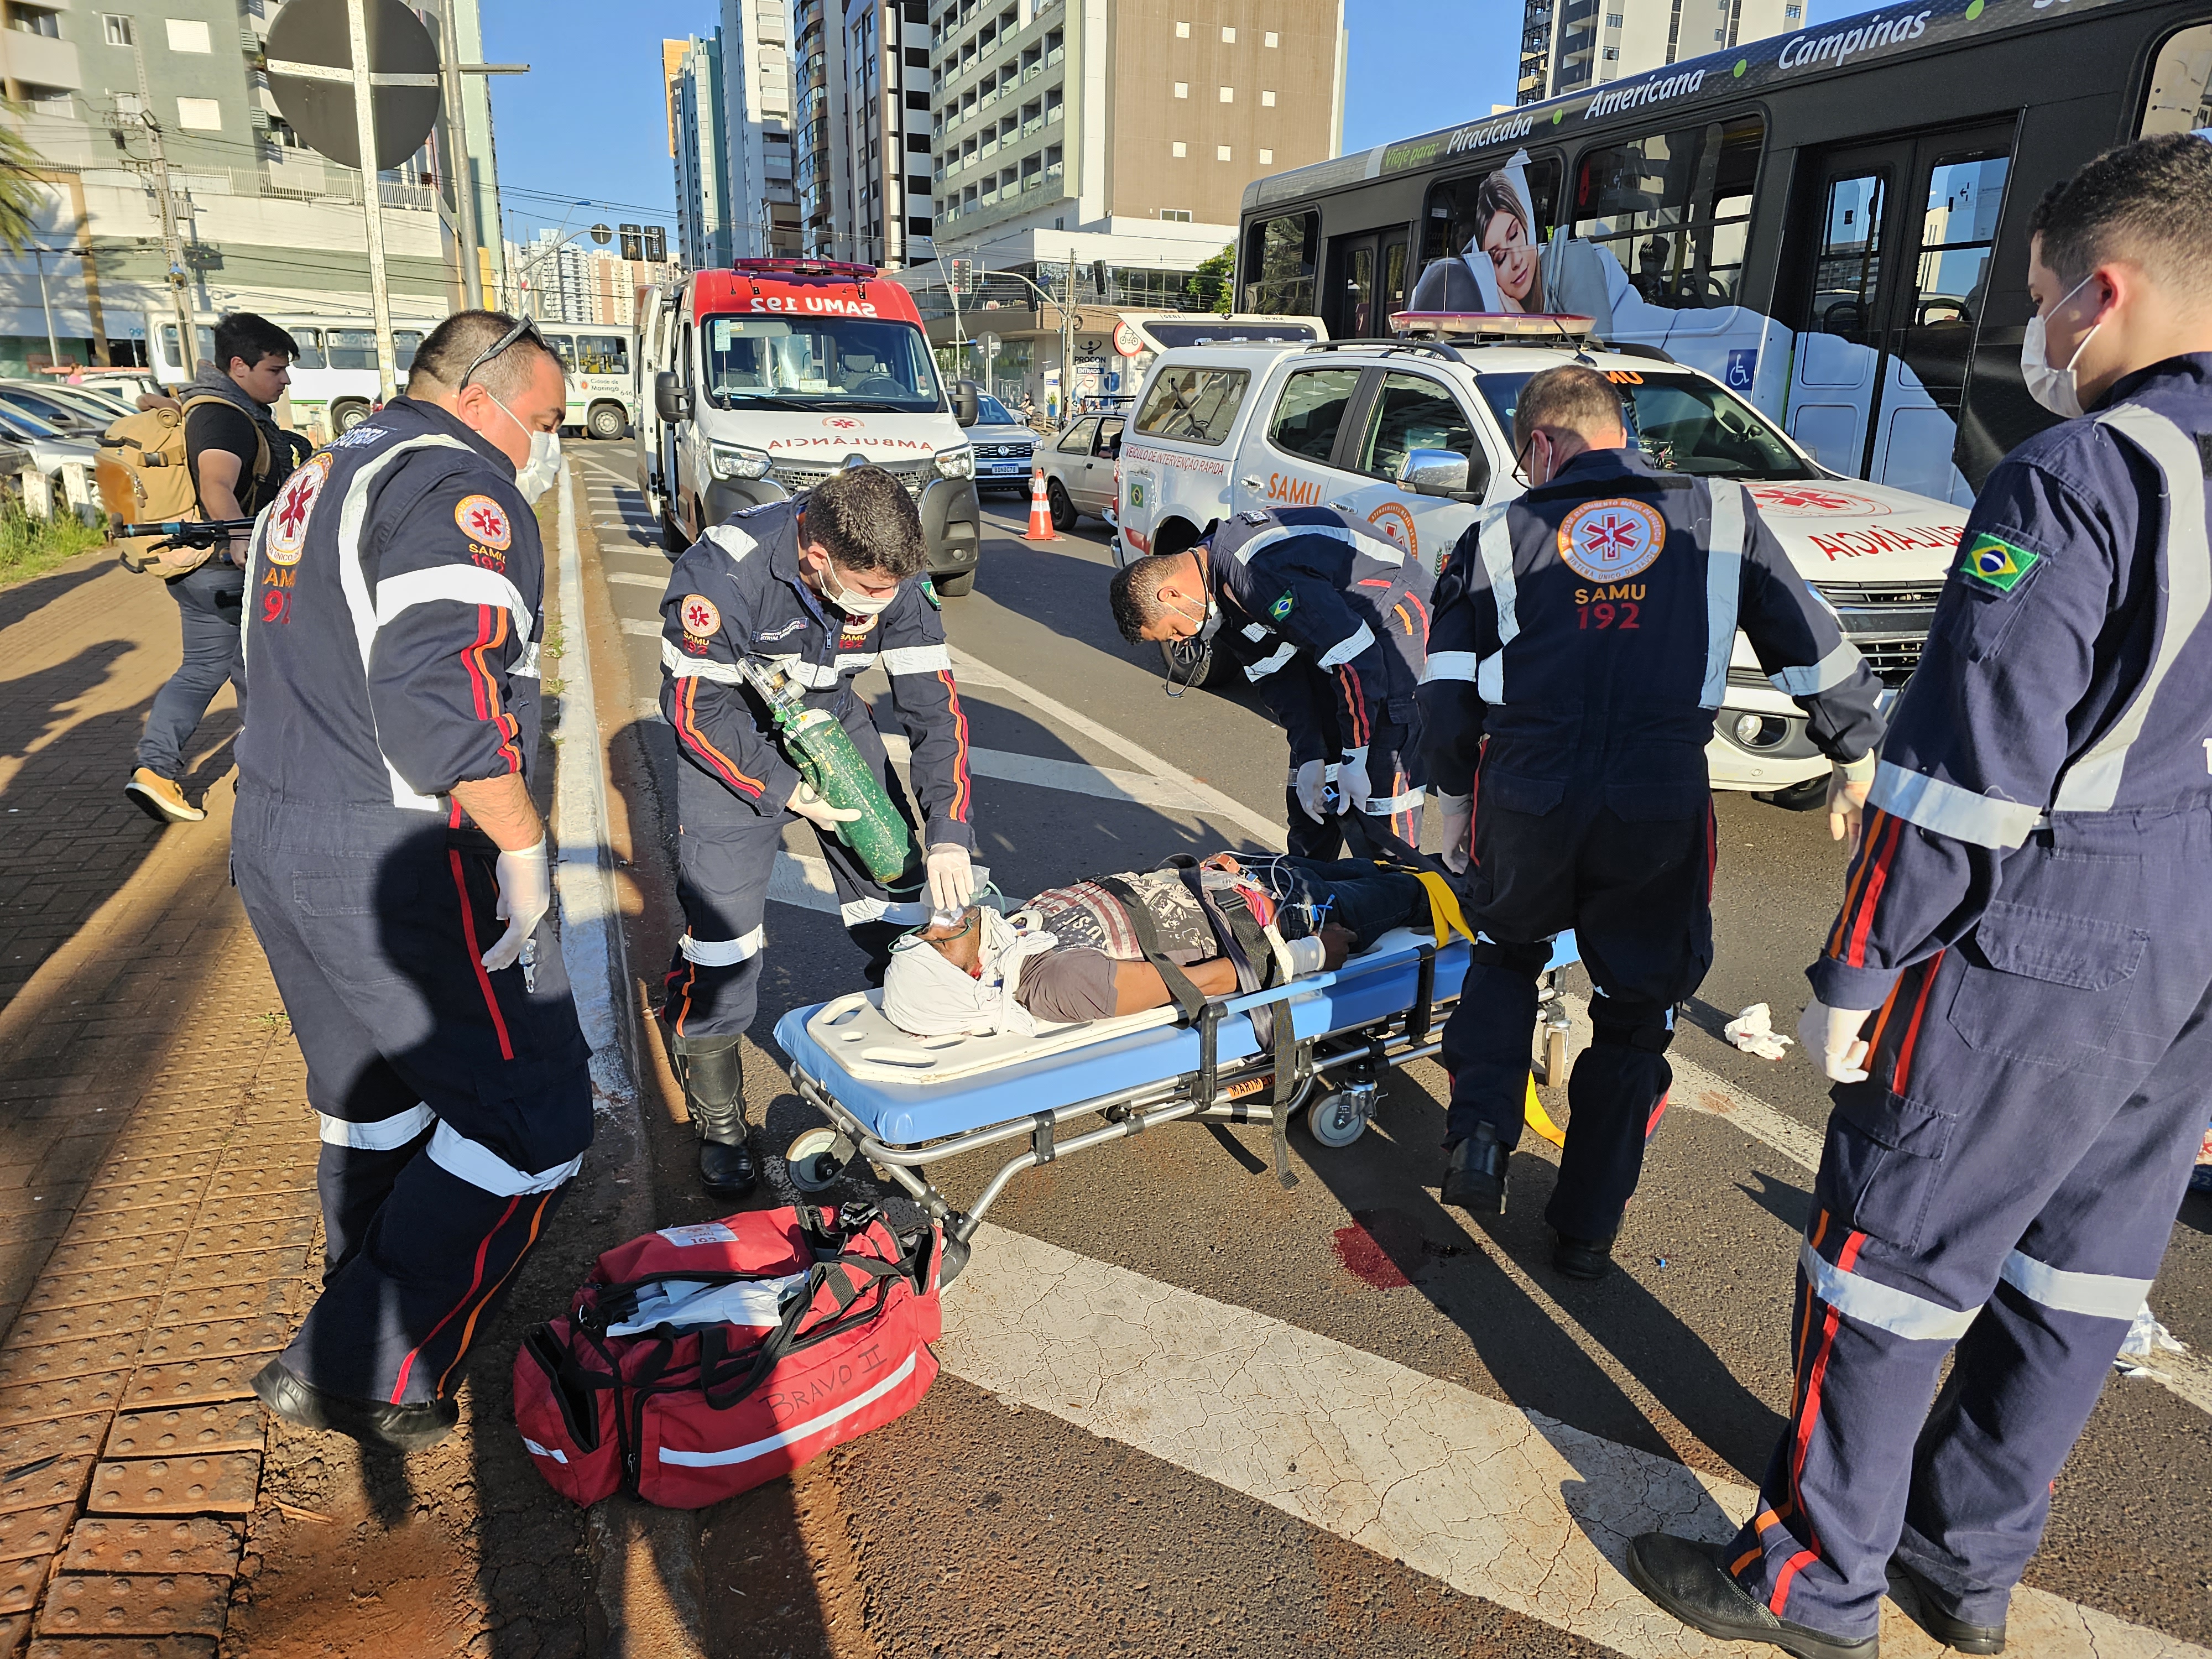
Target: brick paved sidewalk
<point>157,1205</point>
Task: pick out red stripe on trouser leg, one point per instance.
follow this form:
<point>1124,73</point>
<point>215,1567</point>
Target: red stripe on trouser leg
<point>476,956</point>
<point>1657,1112</point>
<point>1790,1568</point>
<point>475,1278</point>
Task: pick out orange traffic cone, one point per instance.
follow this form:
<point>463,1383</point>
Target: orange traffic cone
<point>1040,528</point>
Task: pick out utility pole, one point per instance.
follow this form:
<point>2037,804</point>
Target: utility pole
<point>364,114</point>
<point>47,302</point>
<point>172,245</point>
<point>457,161</point>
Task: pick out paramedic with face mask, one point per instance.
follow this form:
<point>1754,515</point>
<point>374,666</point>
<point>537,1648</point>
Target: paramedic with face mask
<point>393,864</point>
<point>822,586</point>
<point>2015,1003</point>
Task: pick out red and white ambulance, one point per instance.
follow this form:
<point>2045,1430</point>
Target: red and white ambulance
<point>761,379</point>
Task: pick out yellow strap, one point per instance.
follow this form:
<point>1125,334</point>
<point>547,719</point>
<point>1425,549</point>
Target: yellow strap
<point>1444,914</point>
<point>1540,1121</point>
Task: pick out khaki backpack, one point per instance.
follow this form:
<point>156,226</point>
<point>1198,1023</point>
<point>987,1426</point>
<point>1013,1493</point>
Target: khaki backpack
<point>144,476</point>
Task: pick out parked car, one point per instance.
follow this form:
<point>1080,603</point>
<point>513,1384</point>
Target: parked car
<point>47,449</point>
<point>67,418</point>
<point>1081,469</point>
<point>104,404</point>
<point>1413,436</point>
<point>1006,446</point>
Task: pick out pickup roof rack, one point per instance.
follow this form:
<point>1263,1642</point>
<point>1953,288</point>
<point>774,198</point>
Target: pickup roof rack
<point>1450,354</point>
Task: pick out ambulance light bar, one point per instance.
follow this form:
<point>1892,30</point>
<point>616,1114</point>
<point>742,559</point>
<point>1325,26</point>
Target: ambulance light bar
<point>803,268</point>
<point>1517,326</point>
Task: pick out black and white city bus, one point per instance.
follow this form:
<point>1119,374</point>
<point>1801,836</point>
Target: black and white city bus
<point>1833,222</point>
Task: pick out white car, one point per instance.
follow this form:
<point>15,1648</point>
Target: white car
<point>1219,428</point>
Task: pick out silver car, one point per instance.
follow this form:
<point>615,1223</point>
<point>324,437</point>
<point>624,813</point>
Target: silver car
<point>1005,447</point>
<point>49,450</point>
<point>1082,469</point>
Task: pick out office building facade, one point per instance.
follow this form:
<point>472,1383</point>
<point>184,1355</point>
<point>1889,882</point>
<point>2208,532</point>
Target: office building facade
<point>1569,44</point>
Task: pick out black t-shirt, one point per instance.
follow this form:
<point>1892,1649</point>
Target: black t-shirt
<point>230,430</point>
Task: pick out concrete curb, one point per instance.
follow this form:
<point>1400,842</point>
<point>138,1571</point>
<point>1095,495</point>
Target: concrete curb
<point>644,1561</point>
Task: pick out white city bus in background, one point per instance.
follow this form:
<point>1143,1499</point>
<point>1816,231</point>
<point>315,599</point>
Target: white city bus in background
<point>334,383</point>
<point>600,362</point>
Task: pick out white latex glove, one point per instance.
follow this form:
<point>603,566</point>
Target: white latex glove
<point>1830,1036</point>
<point>1459,820</point>
<point>1310,783</point>
<point>1353,790</point>
<point>816,810</point>
<point>951,877</point>
<point>1847,799</point>
<point>526,894</point>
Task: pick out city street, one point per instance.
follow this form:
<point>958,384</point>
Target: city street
<point>1186,1410</point>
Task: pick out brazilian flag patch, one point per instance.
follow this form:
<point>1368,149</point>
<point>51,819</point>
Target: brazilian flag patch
<point>929,592</point>
<point>1282,607</point>
<point>1997,563</point>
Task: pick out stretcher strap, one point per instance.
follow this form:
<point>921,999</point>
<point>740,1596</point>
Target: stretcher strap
<point>1189,999</point>
<point>1285,1045</point>
<point>1444,914</point>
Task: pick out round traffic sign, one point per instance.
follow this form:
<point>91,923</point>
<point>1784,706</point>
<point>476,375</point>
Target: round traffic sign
<point>315,32</point>
<point>603,234</point>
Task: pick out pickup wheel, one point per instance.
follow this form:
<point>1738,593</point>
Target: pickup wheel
<point>955,587</point>
<point>1172,663</point>
<point>1063,515</point>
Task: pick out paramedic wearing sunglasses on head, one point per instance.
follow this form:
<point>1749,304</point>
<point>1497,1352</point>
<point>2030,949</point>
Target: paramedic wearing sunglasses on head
<point>1581,648</point>
<point>2014,1003</point>
<point>1329,619</point>
<point>824,586</point>
<point>393,868</point>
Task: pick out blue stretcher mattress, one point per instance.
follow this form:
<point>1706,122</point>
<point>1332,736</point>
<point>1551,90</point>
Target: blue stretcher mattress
<point>1366,990</point>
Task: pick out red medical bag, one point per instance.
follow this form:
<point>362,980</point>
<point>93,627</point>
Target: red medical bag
<point>688,1414</point>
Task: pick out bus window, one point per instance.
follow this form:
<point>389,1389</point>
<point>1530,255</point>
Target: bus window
<point>1279,264</point>
<point>1675,208</point>
<point>2181,85</point>
<point>310,342</point>
<point>351,348</point>
<point>564,347</point>
<point>1850,270</point>
<point>204,336</point>
<point>404,342</point>
<point>1461,210</point>
<point>1960,231</point>
<point>603,354</point>
<point>1310,409</point>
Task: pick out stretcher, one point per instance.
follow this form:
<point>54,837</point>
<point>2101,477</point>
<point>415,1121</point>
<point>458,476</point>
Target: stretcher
<point>906,1104</point>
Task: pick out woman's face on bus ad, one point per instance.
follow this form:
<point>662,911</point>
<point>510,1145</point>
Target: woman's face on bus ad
<point>1505,239</point>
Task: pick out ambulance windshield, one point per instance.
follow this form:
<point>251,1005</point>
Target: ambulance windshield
<point>864,365</point>
<point>1683,423</point>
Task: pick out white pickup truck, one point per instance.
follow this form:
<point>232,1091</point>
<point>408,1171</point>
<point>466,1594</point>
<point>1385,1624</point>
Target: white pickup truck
<point>1218,428</point>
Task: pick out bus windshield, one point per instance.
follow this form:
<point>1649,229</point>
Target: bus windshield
<point>1683,423</point>
<point>857,363</point>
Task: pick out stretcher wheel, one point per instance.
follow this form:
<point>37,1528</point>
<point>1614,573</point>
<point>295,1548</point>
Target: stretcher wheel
<point>1555,1057</point>
<point>1341,1118</point>
<point>816,1158</point>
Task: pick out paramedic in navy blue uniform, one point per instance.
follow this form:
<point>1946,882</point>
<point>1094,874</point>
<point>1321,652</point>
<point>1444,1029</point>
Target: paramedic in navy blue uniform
<point>394,869</point>
<point>1328,618</point>
<point>1581,648</point>
<point>2016,999</point>
<point>824,586</point>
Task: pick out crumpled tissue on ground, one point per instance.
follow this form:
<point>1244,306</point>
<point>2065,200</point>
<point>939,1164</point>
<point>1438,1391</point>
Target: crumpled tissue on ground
<point>2145,1338</point>
<point>1753,1031</point>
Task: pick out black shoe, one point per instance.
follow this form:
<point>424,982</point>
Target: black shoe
<point>399,1428</point>
<point>1582,1258</point>
<point>1686,1579</point>
<point>1948,1628</point>
<point>1474,1175</point>
<point>713,1079</point>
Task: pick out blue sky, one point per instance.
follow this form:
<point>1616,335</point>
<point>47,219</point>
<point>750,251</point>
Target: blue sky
<point>589,120</point>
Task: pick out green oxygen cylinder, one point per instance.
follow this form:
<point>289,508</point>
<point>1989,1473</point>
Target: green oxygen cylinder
<point>828,758</point>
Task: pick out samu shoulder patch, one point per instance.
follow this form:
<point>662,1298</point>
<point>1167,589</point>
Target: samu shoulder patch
<point>1996,562</point>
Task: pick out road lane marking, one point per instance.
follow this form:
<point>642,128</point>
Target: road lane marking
<point>1499,1503</point>
<point>641,625</point>
<point>1076,778</point>
<point>636,578</point>
<point>976,672</point>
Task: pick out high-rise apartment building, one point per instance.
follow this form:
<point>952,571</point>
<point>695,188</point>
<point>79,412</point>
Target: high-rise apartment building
<point>700,136</point>
<point>1087,115</point>
<point>763,202</point>
<point>1569,44</point>
<point>262,222</point>
<point>861,70</point>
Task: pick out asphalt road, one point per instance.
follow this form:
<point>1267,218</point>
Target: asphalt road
<point>1073,1485</point>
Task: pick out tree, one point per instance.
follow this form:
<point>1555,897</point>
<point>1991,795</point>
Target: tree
<point>22,193</point>
<point>1212,286</point>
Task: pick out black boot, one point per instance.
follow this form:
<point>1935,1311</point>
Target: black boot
<point>1582,1258</point>
<point>1687,1579</point>
<point>1475,1178</point>
<point>713,1079</point>
<point>1946,1627</point>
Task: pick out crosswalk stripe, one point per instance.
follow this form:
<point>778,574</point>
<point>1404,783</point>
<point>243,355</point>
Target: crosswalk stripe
<point>634,579</point>
<point>1075,778</point>
<point>1499,1503</point>
<point>650,627</point>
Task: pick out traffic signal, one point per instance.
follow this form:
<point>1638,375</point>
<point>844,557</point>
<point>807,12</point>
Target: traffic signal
<point>1101,279</point>
<point>963,276</point>
<point>633,242</point>
<point>656,244</point>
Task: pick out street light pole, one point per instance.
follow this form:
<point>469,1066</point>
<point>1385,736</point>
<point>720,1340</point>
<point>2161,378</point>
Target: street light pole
<point>364,114</point>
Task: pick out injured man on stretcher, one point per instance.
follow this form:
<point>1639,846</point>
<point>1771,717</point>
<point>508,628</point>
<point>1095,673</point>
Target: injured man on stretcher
<point>1087,951</point>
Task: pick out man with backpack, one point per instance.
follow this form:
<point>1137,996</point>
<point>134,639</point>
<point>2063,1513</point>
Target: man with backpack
<point>233,455</point>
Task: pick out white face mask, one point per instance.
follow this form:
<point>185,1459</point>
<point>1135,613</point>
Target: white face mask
<point>852,604</point>
<point>535,475</point>
<point>2054,388</point>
